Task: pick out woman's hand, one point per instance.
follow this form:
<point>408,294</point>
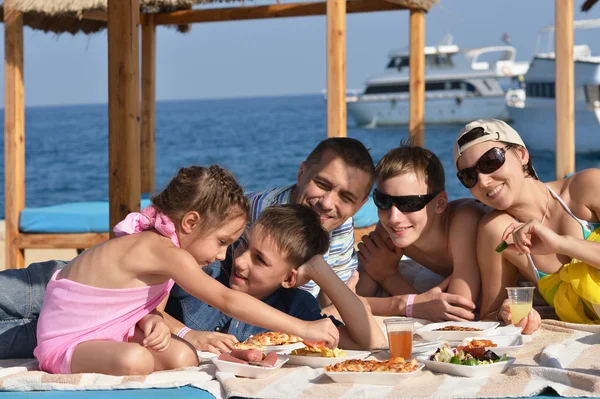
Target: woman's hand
<point>208,341</point>
<point>529,324</point>
<point>532,238</point>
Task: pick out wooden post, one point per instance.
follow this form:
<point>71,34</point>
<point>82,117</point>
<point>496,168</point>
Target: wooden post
<point>14,134</point>
<point>148,105</point>
<point>565,89</point>
<point>123,109</point>
<point>336,68</point>
<point>416,123</point>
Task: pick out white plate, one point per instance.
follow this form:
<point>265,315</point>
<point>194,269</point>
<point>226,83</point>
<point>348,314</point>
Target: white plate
<point>483,370</point>
<point>427,333</point>
<point>285,349</point>
<point>246,370</point>
<point>506,343</point>
<point>377,378</point>
<point>316,362</point>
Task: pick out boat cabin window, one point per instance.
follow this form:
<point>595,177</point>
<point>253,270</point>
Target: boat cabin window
<point>541,89</point>
<point>399,63</point>
<point>429,86</point>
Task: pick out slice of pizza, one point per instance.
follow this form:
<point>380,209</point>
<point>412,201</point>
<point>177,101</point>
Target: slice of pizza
<point>271,338</point>
<point>247,345</point>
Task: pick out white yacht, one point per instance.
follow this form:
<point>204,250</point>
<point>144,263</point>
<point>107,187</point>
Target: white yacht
<point>535,118</point>
<point>460,86</point>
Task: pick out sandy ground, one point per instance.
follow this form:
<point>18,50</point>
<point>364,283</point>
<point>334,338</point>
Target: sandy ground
<point>35,255</point>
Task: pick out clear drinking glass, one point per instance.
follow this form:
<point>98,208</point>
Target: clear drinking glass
<point>400,336</point>
<point>521,302</point>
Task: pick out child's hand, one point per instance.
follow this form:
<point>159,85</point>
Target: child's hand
<point>322,330</point>
<point>306,272</point>
<point>209,341</point>
<point>157,333</point>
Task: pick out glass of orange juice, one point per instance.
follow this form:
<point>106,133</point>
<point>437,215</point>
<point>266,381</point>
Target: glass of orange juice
<point>521,302</point>
<point>400,336</point>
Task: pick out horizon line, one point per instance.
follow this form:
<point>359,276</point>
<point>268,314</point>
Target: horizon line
<point>171,100</point>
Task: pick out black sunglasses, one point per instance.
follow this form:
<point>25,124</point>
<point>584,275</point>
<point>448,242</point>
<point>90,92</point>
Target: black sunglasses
<point>405,203</point>
<point>489,162</point>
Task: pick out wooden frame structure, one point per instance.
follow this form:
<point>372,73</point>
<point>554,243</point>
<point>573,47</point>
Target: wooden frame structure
<point>131,144</point>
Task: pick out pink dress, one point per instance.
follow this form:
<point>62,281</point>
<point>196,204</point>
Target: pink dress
<point>73,313</point>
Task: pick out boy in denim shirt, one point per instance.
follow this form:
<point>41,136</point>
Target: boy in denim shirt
<point>266,264</point>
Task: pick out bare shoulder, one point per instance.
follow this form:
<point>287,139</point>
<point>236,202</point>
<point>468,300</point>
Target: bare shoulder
<point>467,209</point>
<point>465,217</point>
<point>493,224</point>
<point>584,187</point>
<point>155,254</point>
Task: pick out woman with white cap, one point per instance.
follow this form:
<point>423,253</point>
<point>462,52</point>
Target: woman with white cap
<point>552,224</point>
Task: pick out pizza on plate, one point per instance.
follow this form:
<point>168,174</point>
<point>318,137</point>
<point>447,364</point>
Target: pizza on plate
<point>246,345</point>
<point>393,365</point>
<point>271,338</point>
<point>457,328</point>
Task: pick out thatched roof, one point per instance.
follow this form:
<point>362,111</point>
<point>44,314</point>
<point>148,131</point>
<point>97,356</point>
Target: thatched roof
<point>60,16</point>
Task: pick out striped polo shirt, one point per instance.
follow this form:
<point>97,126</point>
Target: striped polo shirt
<point>341,255</point>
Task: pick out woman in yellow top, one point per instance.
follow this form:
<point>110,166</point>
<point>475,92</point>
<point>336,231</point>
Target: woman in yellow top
<point>550,223</point>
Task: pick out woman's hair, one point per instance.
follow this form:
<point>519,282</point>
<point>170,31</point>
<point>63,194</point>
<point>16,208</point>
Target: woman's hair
<point>213,192</point>
<point>478,132</point>
<point>296,230</point>
<point>412,158</point>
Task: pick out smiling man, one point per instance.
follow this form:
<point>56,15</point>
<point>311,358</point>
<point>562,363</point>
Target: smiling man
<point>334,181</point>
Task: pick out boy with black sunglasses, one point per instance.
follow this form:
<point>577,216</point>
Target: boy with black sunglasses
<point>416,220</point>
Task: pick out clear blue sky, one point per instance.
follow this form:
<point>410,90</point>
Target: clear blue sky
<point>273,57</point>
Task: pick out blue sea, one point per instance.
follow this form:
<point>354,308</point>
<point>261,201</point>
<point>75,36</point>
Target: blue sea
<point>261,140</point>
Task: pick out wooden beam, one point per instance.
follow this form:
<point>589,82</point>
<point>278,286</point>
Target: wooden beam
<point>565,89</point>
<point>94,15</point>
<point>148,107</point>
<point>416,123</point>
<point>123,109</point>
<point>269,11</point>
<point>14,133</point>
<point>336,68</point>
<point>84,240</point>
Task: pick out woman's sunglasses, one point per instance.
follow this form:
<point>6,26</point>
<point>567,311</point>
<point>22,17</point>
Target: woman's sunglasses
<point>405,203</point>
<point>491,161</point>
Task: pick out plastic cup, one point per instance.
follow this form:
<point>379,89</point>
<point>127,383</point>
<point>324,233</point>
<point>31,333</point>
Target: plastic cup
<point>521,302</point>
<point>400,336</point>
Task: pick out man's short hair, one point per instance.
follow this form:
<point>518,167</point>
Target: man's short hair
<point>412,158</point>
<point>296,230</point>
<point>352,151</point>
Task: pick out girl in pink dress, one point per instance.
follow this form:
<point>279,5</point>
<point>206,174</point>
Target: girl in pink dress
<point>99,313</point>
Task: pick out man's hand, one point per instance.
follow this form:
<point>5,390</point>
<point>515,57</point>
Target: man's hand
<point>379,257</point>
<point>207,341</point>
<point>437,305</point>
<point>529,324</point>
<point>156,332</point>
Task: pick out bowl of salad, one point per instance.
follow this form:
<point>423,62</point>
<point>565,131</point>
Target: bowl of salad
<point>465,361</point>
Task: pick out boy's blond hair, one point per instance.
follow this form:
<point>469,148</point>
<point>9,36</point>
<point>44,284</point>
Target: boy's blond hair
<point>410,158</point>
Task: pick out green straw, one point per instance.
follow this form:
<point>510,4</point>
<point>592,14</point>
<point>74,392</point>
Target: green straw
<point>501,247</point>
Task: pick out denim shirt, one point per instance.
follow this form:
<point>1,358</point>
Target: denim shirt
<point>202,317</point>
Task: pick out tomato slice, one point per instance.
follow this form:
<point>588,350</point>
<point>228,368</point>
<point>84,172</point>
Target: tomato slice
<point>314,344</point>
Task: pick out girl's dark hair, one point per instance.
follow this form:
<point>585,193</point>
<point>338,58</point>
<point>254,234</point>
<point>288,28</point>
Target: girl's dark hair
<point>213,192</point>
<point>479,132</point>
